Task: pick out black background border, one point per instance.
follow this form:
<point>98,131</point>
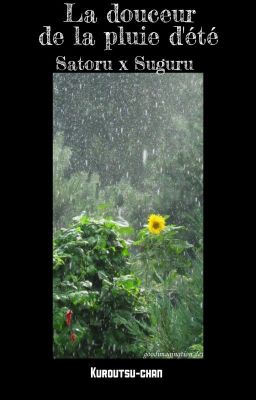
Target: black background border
<point>36,162</point>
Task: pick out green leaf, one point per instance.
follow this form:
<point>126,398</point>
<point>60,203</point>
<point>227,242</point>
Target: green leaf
<point>102,275</point>
<point>84,220</point>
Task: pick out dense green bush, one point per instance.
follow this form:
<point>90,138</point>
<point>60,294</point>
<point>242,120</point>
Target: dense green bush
<point>109,302</point>
<point>92,280</point>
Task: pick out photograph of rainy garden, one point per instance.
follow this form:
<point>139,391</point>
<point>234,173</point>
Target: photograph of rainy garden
<point>127,215</point>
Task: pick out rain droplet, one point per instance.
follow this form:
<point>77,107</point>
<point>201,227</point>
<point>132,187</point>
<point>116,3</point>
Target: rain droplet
<point>144,156</point>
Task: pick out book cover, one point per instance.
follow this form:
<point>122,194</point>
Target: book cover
<point>124,104</point>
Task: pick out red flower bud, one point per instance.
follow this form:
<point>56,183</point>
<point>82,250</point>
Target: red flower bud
<point>73,337</point>
<point>69,317</point>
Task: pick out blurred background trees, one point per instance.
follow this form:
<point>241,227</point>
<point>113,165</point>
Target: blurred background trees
<point>127,145</point>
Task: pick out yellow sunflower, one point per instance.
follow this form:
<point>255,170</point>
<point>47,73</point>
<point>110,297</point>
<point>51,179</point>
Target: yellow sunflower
<point>156,223</point>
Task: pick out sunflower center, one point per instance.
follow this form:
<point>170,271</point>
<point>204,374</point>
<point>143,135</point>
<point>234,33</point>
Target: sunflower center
<point>156,225</point>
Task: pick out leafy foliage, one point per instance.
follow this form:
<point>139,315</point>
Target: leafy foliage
<point>93,279</point>
<point>172,273</point>
<point>177,314</point>
<point>160,255</point>
<point>125,304</point>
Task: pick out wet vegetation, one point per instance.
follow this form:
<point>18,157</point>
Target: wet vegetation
<point>127,215</point>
